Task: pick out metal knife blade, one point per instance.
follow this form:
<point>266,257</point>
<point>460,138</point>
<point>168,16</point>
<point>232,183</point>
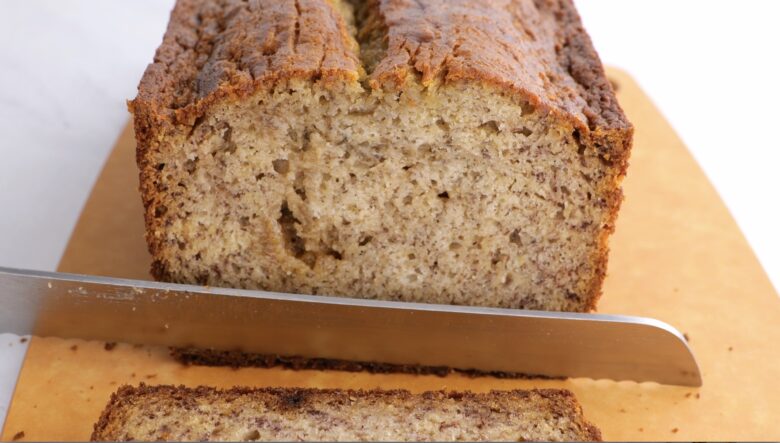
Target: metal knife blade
<point>488,339</point>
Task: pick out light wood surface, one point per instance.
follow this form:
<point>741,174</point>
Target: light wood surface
<point>677,256</point>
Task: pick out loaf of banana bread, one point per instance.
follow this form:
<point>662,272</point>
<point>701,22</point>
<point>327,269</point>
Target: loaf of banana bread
<point>443,151</point>
<point>161,413</point>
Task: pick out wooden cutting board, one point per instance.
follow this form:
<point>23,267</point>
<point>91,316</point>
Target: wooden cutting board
<point>677,256</point>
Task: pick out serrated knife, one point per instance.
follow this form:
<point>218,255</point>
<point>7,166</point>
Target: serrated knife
<point>550,344</point>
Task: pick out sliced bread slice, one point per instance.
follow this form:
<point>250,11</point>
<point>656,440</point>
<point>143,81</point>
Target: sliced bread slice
<point>153,413</point>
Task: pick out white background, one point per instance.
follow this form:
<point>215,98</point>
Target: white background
<point>67,67</point>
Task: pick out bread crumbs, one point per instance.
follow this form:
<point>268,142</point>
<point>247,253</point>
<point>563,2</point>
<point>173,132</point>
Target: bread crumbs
<point>675,430</point>
<point>74,347</point>
<point>110,345</point>
<point>23,340</point>
<point>18,436</point>
<point>686,337</point>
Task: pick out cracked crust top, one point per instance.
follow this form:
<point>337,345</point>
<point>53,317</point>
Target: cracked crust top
<point>535,49</point>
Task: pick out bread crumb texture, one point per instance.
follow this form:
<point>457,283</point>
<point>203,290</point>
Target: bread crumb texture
<point>444,151</point>
<point>156,413</point>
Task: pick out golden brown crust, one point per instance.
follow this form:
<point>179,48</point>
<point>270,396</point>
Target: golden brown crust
<point>219,49</point>
<point>536,49</point>
<point>561,402</point>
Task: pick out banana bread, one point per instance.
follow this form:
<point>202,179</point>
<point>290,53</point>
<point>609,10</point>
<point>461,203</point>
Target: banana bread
<point>442,151</point>
<point>155,413</point>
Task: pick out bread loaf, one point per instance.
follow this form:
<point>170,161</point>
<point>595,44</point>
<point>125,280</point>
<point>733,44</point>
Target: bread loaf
<point>203,414</point>
<point>443,151</point>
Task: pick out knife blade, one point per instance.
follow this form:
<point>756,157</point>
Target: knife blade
<point>553,344</point>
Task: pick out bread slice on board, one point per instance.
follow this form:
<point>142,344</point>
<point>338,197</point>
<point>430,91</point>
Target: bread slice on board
<point>153,413</point>
<point>440,151</point>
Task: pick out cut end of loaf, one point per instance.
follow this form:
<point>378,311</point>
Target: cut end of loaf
<point>155,413</point>
<point>453,196</point>
<point>376,173</point>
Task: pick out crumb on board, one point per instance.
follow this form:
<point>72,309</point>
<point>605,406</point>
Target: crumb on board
<point>18,436</point>
<point>731,348</point>
<point>91,388</point>
<point>641,429</point>
<point>74,347</point>
<point>675,430</point>
<point>151,376</point>
<point>687,337</point>
<point>698,395</point>
<point>622,410</point>
<point>688,395</point>
<point>23,340</point>
<point>132,375</point>
<point>109,346</point>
